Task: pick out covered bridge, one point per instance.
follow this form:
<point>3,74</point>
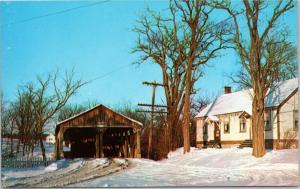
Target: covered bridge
<point>98,132</point>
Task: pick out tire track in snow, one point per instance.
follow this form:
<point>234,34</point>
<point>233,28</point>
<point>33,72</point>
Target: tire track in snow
<point>89,172</point>
<point>86,169</point>
<point>25,181</point>
<point>272,178</point>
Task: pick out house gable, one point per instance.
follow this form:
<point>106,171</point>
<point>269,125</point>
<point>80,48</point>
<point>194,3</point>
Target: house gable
<point>242,100</point>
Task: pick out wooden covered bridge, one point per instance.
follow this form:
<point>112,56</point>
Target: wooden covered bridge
<point>98,132</point>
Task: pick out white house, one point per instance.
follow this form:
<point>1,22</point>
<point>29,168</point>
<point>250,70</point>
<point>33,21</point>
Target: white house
<point>228,118</point>
<point>50,139</point>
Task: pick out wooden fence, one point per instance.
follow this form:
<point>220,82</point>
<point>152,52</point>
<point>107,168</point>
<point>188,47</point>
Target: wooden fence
<point>22,162</point>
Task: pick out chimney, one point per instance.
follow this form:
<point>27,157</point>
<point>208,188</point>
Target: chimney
<point>227,90</point>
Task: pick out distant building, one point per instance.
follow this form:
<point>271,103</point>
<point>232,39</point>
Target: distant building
<point>50,139</point>
<point>227,120</point>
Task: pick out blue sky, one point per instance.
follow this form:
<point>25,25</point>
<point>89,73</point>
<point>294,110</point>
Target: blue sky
<point>95,41</point>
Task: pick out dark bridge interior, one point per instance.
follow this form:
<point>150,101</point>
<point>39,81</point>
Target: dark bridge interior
<point>82,142</point>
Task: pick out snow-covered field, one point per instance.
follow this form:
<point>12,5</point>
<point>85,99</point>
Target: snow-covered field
<point>37,152</point>
<point>49,149</point>
<point>200,167</point>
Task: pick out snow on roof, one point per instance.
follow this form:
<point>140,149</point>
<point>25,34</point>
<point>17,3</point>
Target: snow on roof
<point>212,118</point>
<point>242,100</point>
<point>282,91</point>
<point>226,103</point>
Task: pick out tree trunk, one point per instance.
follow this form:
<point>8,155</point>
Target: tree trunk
<point>18,146</point>
<point>168,135</point>
<point>32,149</point>
<point>172,137</point>
<point>23,152</point>
<point>170,128</point>
<point>258,126</point>
<point>26,147</point>
<point>43,148</point>
<point>11,145</point>
<point>186,112</point>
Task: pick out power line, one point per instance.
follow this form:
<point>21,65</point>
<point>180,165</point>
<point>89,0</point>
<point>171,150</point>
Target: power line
<point>145,83</point>
<point>57,12</point>
<point>155,105</point>
<point>155,112</point>
<point>222,21</point>
<point>111,72</point>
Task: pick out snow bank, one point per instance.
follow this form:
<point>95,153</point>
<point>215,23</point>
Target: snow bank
<point>231,157</point>
<point>207,167</point>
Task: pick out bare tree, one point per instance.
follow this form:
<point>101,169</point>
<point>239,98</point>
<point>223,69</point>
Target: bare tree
<point>70,110</point>
<point>155,40</point>
<point>290,138</point>
<point>197,104</point>
<point>23,109</point>
<point>38,103</point>
<point>261,53</point>
<point>200,102</point>
<point>202,41</point>
<point>180,44</point>
<point>8,130</point>
<point>288,70</point>
<point>48,102</point>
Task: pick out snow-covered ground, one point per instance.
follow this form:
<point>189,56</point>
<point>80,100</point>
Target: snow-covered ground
<point>208,167</point>
<point>49,149</point>
<point>37,152</point>
<point>21,173</point>
<point>60,173</point>
<point>200,167</point>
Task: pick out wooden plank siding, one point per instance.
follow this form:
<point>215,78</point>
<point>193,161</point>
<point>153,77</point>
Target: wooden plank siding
<point>110,128</point>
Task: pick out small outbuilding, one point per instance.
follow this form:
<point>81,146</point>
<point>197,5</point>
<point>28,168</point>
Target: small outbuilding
<point>98,132</point>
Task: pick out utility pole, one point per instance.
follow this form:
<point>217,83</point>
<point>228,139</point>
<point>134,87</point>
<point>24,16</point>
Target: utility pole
<point>152,105</point>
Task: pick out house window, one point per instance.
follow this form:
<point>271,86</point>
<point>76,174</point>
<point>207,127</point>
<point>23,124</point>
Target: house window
<point>267,118</point>
<point>296,120</point>
<point>226,127</point>
<point>243,127</point>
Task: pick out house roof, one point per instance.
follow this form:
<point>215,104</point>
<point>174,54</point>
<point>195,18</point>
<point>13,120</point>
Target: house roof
<point>97,106</point>
<point>242,100</point>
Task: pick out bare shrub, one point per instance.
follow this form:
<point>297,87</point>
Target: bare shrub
<point>289,139</point>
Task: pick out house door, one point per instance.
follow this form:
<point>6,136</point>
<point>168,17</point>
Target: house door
<point>205,134</point>
<point>217,133</point>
